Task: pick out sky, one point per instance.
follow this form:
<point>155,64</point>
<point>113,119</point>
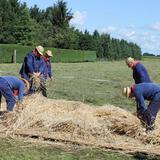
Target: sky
<point>136,21</point>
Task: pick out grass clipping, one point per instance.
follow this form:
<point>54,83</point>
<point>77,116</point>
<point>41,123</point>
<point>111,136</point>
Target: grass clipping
<point>78,123</point>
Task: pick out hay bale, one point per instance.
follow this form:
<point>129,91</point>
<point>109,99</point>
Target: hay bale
<point>107,126</point>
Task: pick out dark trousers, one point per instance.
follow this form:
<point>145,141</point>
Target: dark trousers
<point>7,93</point>
<point>43,88</point>
<point>151,112</point>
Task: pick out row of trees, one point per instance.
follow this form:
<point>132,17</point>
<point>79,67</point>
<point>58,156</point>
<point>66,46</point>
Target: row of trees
<point>50,27</point>
<point>149,54</point>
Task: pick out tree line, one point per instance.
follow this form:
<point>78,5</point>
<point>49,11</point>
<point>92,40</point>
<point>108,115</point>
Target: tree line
<point>20,24</point>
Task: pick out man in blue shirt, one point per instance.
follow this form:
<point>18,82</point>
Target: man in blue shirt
<point>140,74</point>
<point>33,65</point>
<point>47,70</point>
<point>47,65</point>
<point>142,92</point>
<point>7,86</point>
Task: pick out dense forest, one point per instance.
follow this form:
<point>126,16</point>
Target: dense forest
<point>20,24</point>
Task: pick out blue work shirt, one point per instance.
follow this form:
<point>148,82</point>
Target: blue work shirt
<point>145,91</point>
<point>31,64</point>
<point>15,84</point>
<point>47,71</point>
<point>140,74</point>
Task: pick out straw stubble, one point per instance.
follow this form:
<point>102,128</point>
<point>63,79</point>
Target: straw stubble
<point>78,123</point>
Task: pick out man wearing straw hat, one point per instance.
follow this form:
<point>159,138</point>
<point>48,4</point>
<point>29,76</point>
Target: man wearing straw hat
<point>33,64</point>
<point>47,66</point>
<point>47,70</point>
<point>8,84</point>
<point>140,73</point>
<point>142,92</point>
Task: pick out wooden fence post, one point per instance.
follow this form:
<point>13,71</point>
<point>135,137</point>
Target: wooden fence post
<point>14,56</point>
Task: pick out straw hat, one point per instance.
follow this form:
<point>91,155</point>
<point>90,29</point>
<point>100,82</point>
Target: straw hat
<point>26,83</point>
<point>129,60</point>
<point>49,53</point>
<point>40,50</point>
<point>127,91</point>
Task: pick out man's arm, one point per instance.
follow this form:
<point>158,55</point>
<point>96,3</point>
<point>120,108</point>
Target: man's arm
<point>0,99</point>
<point>21,91</point>
<point>141,106</point>
<point>50,70</point>
<point>141,73</point>
<point>29,64</point>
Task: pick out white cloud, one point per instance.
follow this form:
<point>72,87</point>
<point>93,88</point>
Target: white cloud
<point>108,29</point>
<point>131,34</point>
<point>156,26</point>
<point>79,19</point>
<point>148,40</point>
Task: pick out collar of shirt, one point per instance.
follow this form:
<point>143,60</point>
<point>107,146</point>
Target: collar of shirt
<point>46,59</point>
<point>36,54</point>
<point>135,63</point>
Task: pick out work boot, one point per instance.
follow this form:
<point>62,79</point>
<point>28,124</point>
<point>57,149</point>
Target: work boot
<point>1,114</point>
<point>150,123</point>
<point>150,128</point>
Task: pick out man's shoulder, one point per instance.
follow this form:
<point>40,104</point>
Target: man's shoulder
<point>140,66</point>
<point>29,54</point>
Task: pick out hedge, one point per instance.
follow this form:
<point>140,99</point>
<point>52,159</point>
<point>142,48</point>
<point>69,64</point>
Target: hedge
<point>59,55</point>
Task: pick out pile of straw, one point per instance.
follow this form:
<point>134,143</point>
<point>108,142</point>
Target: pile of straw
<point>74,122</point>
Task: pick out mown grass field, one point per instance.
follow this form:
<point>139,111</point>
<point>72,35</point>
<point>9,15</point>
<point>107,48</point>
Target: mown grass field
<point>18,150</point>
<point>96,83</point>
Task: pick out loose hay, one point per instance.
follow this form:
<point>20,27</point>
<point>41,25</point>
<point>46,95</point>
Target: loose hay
<point>67,121</point>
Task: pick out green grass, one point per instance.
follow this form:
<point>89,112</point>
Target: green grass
<point>11,149</point>
<point>95,83</point>
<point>151,58</point>
<point>18,150</point>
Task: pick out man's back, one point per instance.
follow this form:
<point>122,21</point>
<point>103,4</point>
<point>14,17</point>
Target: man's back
<point>140,74</point>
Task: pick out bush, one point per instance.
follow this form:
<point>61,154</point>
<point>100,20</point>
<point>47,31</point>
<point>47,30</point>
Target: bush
<point>59,55</point>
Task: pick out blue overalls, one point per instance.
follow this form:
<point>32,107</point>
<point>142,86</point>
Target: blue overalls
<point>31,64</point>
<point>7,85</point>
<point>47,72</point>
<point>150,92</point>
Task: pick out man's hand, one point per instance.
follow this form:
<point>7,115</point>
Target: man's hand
<point>36,73</point>
<point>52,78</point>
<point>19,106</point>
<point>20,103</point>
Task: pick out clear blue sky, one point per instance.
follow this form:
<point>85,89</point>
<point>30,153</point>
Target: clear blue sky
<point>133,20</point>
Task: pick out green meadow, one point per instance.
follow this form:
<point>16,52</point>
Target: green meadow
<point>94,83</point>
<point>17,150</point>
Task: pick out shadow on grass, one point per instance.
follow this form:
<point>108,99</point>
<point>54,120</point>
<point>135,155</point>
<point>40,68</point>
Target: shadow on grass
<point>143,156</point>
